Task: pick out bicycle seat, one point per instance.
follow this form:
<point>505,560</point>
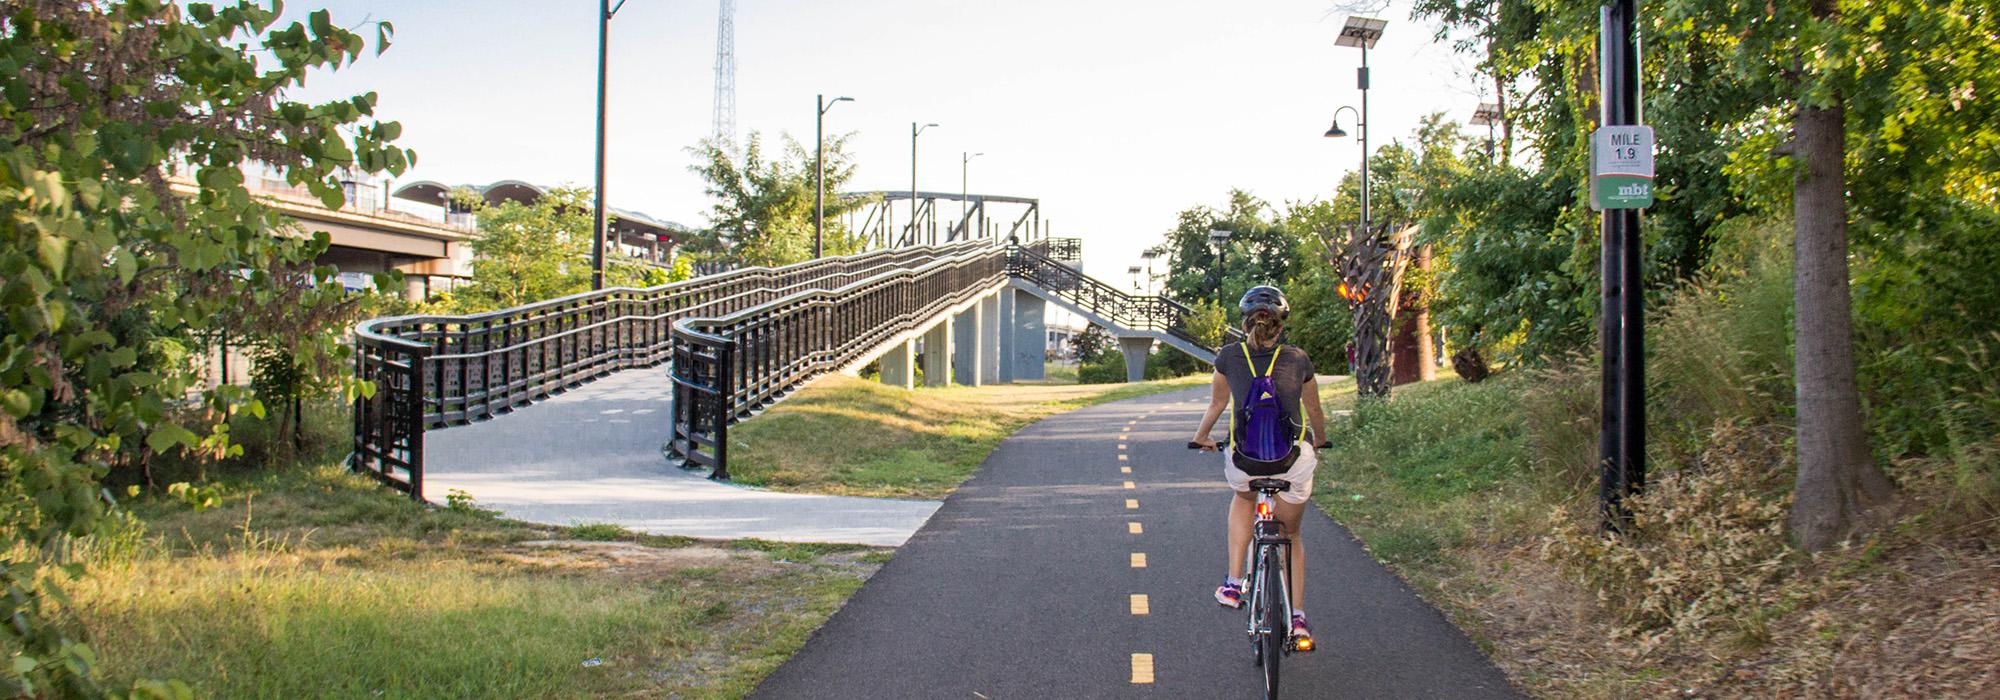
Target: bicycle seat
<point>1270,485</point>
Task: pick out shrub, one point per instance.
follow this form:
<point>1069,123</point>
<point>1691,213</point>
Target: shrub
<point>1706,544</point>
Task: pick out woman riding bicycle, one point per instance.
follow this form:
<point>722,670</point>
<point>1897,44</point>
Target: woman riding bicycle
<point>1238,368</point>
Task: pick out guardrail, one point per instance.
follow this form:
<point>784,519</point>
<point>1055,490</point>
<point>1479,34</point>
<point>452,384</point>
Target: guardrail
<point>725,367</point>
<point>430,371</point>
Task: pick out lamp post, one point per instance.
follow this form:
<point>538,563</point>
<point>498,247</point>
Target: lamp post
<point>914,131</point>
<point>1219,239</point>
<point>604,14</point>
<point>1148,256</point>
<point>1134,271</point>
<point>964,179</point>
<point>819,174</point>
<point>1362,33</point>
<point>1335,132</point>
<point>1487,116</point>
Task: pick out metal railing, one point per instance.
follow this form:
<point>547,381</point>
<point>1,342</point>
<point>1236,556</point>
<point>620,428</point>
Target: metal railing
<point>736,341</point>
<point>1132,312</point>
<point>431,371</point>
<point>725,367</point>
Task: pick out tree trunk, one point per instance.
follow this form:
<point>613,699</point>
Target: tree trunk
<point>1427,366</point>
<point>1837,478</point>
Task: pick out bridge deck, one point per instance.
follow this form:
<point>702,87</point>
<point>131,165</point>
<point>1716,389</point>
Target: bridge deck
<point>592,455</point>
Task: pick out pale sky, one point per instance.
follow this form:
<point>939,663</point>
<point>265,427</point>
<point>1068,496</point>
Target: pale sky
<point>1116,115</point>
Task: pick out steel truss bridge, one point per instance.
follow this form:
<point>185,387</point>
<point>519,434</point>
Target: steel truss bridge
<point>737,342</point>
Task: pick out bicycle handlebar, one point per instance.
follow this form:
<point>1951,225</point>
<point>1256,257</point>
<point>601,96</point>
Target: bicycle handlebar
<point>1219,444</point>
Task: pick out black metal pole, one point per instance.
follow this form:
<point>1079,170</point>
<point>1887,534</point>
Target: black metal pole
<point>1621,435</point>
<point>819,179</point>
<point>597,229</point>
<point>1361,78</point>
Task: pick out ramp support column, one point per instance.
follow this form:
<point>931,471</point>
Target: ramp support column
<point>1136,348</point>
<point>989,338</point>
<point>966,348</point>
<point>898,370</point>
<point>1030,335</point>
<point>937,354</point>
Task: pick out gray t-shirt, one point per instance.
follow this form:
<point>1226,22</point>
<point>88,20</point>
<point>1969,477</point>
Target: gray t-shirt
<point>1289,376</point>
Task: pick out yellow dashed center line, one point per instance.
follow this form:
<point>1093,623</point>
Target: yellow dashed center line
<point>1142,668</point>
<point>1122,458</point>
<point>1124,470</point>
<point>1135,528</point>
<point>1131,485</point>
<point>1138,560</point>
<point>1139,604</point>
<point>1131,504</point>
<point>1121,447</point>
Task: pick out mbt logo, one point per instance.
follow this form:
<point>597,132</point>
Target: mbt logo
<point>1635,190</point>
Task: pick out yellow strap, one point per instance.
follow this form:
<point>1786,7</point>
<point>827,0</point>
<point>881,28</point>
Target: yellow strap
<point>1253,363</point>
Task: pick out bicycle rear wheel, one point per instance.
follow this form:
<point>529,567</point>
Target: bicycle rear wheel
<point>1276,629</point>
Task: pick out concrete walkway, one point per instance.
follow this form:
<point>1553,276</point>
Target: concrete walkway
<point>592,455</point>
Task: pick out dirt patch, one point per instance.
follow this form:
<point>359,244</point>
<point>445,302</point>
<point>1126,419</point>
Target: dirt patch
<point>636,560</point>
<point>1919,621</point>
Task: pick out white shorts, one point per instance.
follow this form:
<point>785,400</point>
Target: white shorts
<point>1300,475</point>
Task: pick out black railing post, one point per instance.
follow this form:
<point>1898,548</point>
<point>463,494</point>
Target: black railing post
<point>725,392</point>
<point>414,425</point>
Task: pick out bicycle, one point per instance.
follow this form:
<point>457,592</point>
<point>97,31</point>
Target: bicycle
<point>1267,560</point>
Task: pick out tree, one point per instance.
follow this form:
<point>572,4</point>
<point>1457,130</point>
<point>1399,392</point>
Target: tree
<point>1259,252</point>
<point>108,274</point>
<point>763,210</point>
<point>530,252</point>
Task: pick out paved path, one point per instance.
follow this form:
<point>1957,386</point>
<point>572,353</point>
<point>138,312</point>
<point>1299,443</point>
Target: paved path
<point>1022,587</point>
<point>592,455</point>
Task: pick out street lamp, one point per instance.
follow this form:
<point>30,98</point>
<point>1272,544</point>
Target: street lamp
<point>604,14</point>
<point>819,174</point>
<point>914,131</point>
<point>1218,238</point>
<point>964,167</point>
<point>1134,271</point>
<point>1362,33</point>
<point>1487,116</point>
<point>1335,132</point>
<point>1149,256</point>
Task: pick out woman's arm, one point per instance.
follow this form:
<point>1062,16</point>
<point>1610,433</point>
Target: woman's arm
<point>1218,399</point>
<point>1317,417</point>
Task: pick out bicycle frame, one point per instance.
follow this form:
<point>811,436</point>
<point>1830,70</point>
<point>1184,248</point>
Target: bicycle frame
<point>1267,532</point>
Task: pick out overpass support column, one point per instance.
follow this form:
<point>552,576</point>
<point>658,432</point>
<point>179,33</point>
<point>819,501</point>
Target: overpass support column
<point>1031,336</point>
<point>989,338</point>
<point>898,369</point>
<point>937,354</point>
<point>965,345</point>
<point>1004,326</point>
<point>1136,349</point>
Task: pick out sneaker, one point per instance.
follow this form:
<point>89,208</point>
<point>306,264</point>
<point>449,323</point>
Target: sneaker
<point>1230,595</point>
<point>1302,634</point>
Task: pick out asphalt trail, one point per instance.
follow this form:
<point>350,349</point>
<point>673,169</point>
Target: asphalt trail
<point>1022,585</point>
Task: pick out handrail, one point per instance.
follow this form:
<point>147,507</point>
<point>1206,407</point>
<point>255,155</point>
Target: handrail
<point>724,367</point>
<point>432,370</point>
<point>736,341</point>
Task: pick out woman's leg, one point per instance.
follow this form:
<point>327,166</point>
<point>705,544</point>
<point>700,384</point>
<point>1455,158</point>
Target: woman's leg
<point>1242,511</point>
<point>1292,514</point>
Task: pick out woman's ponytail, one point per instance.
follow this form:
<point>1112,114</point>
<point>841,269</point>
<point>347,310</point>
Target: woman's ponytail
<point>1263,330</point>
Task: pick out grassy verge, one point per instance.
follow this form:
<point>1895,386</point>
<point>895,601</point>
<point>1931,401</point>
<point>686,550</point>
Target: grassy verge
<point>1471,493</point>
<point>311,582</point>
<point>886,442</point>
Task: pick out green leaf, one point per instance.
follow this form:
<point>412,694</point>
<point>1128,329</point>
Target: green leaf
<point>168,436</point>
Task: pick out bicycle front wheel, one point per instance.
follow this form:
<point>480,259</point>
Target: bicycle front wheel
<point>1277,629</point>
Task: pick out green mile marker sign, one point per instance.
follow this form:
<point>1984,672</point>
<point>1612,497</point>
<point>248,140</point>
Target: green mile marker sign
<point>1621,168</point>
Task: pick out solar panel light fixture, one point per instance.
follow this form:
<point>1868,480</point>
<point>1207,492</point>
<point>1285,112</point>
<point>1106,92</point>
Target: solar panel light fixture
<point>1361,31</point>
<point>1218,237</point>
<point>1488,114</point>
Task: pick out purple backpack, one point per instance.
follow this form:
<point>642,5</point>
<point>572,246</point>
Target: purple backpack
<point>1266,435</point>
